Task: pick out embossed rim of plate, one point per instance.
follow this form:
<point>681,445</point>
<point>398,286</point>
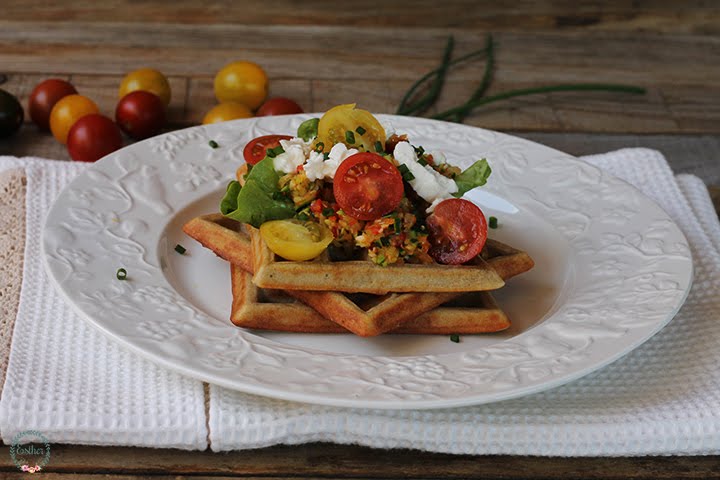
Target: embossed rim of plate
<point>633,271</point>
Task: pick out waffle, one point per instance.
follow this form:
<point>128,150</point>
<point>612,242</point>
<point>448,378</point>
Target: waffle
<point>365,315</point>
<point>253,307</point>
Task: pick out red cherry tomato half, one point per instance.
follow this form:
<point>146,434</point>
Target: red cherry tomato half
<point>458,231</point>
<point>44,97</point>
<point>255,149</point>
<point>140,114</point>
<point>278,106</point>
<point>367,186</point>
<point>92,137</point>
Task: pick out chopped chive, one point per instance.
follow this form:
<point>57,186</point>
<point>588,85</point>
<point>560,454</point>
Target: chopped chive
<point>180,249</point>
<point>270,153</point>
<point>326,156</point>
<point>379,147</point>
<point>380,259</point>
<point>279,195</point>
<point>455,338</point>
<point>249,168</point>
<point>303,217</point>
<point>213,144</point>
<point>319,147</point>
<point>121,274</point>
<point>360,130</point>
<point>398,225</point>
<point>493,222</point>
<point>350,137</point>
<point>328,212</point>
<point>405,172</point>
<point>385,242</point>
<point>422,161</point>
<point>419,151</point>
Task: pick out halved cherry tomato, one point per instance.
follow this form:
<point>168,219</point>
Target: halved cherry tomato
<point>295,240</point>
<point>458,231</point>
<point>278,106</point>
<point>367,186</point>
<point>44,97</point>
<point>255,149</point>
<point>352,126</point>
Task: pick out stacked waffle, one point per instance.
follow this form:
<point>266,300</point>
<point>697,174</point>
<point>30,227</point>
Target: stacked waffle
<point>322,296</point>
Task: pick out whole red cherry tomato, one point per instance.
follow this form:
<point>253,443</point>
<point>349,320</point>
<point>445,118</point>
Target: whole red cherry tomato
<point>367,186</point>
<point>255,149</point>
<point>458,231</point>
<point>278,106</point>
<point>92,137</point>
<point>44,97</point>
<point>140,114</point>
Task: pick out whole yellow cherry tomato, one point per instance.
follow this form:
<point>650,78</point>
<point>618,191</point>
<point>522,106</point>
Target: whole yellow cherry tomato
<point>242,82</point>
<point>295,240</point>
<point>352,126</point>
<point>227,111</point>
<point>149,80</point>
<point>66,112</point>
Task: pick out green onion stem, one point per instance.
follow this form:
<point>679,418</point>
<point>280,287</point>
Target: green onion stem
<point>471,105</point>
<point>487,76</point>
<point>430,74</point>
<point>425,102</point>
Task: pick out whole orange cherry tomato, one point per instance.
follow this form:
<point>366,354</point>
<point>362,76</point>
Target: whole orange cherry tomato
<point>242,82</point>
<point>149,80</point>
<point>227,111</point>
<point>66,112</point>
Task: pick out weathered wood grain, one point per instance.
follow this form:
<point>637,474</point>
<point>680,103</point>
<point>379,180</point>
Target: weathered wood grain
<point>520,15</point>
<point>340,461</point>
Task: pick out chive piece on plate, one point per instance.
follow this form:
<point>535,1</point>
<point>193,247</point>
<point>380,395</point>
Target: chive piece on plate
<point>121,274</point>
<point>213,144</point>
<point>493,222</point>
<point>350,137</point>
<point>455,338</point>
<point>180,249</point>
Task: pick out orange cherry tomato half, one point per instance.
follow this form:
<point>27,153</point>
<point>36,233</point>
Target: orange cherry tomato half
<point>458,231</point>
<point>367,186</point>
<point>255,149</point>
<point>278,106</point>
<point>44,97</point>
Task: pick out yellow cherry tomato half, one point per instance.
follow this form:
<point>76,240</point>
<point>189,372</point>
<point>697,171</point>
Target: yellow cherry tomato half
<point>352,126</point>
<point>242,82</point>
<point>66,112</point>
<point>295,240</point>
<point>148,80</point>
<point>227,111</point>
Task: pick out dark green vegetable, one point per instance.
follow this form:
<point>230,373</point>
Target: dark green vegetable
<point>493,222</point>
<point>257,202</point>
<point>308,129</point>
<point>379,147</point>
<point>455,338</point>
<point>213,144</point>
<point>349,137</point>
<point>180,249</point>
<point>405,172</point>
<point>475,175</point>
<point>121,274</point>
<point>360,130</point>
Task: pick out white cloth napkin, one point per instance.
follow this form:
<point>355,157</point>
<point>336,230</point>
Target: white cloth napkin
<point>68,381</point>
<point>663,398</point>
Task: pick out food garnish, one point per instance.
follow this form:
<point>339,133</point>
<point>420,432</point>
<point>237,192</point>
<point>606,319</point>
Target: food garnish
<point>121,274</point>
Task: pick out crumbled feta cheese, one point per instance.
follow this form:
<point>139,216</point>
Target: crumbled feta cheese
<point>296,151</point>
<point>438,157</point>
<point>428,184</point>
<point>316,168</point>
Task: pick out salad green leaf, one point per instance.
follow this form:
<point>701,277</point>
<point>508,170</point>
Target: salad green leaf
<point>308,129</point>
<point>475,175</point>
<point>259,200</point>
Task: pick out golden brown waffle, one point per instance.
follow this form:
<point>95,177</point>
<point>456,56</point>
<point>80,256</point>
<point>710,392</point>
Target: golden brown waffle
<point>271,271</point>
<point>364,315</point>
<point>253,307</point>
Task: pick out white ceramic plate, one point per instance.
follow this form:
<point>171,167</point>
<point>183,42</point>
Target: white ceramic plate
<point>611,270</point>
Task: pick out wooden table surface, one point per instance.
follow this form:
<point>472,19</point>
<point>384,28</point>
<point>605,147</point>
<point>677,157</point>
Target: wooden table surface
<point>370,52</point>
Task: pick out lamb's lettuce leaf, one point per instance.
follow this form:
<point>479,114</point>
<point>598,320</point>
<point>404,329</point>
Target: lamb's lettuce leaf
<point>259,200</point>
<point>475,175</point>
